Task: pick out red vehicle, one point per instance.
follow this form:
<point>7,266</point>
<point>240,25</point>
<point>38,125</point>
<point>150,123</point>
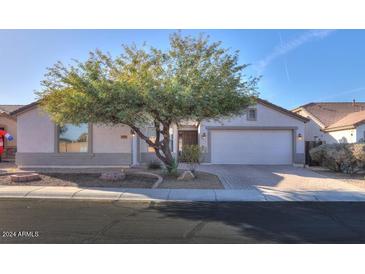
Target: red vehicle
<point>4,134</point>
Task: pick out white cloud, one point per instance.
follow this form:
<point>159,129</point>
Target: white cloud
<point>284,48</point>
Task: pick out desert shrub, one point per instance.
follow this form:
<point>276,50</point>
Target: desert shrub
<point>346,158</point>
<point>192,155</point>
<point>358,151</point>
<point>154,164</point>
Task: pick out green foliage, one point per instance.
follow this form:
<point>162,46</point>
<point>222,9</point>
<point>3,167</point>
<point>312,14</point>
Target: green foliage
<point>154,164</point>
<point>172,169</point>
<point>194,79</point>
<point>191,154</point>
<point>347,158</point>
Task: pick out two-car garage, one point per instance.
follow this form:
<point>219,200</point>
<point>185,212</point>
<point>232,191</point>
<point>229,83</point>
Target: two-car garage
<point>264,134</point>
<point>252,146</point>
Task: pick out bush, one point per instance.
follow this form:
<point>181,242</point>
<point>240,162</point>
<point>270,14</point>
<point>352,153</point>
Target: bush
<point>192,154</point>
<point>154,164</point>
<point>346,158</point>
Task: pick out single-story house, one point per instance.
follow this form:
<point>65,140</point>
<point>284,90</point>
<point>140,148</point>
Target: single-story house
<point>265,134</point>
<point>340,122</point>
<point>8,123</point>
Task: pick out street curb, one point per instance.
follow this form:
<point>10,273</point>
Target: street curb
<point>175,195</point>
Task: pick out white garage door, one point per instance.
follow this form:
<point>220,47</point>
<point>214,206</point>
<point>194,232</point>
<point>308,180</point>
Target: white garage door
<point>252,147</point>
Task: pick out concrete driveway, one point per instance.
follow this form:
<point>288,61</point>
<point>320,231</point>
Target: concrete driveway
<point>280,180</point>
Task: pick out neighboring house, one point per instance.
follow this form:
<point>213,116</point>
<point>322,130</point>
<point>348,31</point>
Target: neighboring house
<point>265,134</point>
<point>8,123</point>
<point>342,122</point>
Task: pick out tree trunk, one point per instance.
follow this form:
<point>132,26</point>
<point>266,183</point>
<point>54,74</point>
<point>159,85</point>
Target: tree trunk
<point>166,157</point>
<point>162,148</point>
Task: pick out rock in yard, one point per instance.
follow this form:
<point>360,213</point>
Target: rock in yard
<point>113,176</point>
<point>186,176</point>
<point>25,177</point>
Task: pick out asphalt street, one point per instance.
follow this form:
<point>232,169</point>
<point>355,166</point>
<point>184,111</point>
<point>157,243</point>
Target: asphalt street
<point>78,221</point>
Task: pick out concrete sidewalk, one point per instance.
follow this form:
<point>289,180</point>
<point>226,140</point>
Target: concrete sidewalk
<point>210,195</point>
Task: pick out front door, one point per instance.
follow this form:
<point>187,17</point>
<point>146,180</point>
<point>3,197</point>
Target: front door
<point>187,137</point>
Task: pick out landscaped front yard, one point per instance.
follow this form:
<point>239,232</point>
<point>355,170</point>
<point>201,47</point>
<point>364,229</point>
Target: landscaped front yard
<point>133,180</point>
<point>353,179</point>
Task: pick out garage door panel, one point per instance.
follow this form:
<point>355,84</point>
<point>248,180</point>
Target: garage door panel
<point>251,147</point>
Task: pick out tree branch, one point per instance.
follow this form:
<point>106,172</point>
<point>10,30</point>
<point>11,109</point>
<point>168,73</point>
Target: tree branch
<point>140,134</point>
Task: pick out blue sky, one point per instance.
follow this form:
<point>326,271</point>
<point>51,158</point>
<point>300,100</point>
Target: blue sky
<point>298,66</point>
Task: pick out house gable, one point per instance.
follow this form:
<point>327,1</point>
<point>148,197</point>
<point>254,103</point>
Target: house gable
<point>267,116</point>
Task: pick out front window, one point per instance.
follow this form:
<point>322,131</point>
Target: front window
<point>252,114</point>
<point>72,138</point>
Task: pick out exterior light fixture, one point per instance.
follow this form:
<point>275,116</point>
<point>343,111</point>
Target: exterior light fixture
<point>133,133</point>
<point>300,137</point>
<point>204,135</point>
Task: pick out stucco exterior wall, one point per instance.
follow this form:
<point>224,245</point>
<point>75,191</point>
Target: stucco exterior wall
<point>266,117</point>
<point>36,132</point>
<point>108,139</point>
<point>341,136</point>
<point>37,144</point>
<point>10,126</point>
<point>312,129</point>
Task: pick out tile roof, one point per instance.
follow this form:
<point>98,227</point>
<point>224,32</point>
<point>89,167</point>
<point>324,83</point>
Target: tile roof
<point>329,113</point>
<point>349,120</point>
<point>9,108</point>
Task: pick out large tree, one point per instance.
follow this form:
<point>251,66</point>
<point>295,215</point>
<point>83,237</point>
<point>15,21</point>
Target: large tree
<point>194,79</point>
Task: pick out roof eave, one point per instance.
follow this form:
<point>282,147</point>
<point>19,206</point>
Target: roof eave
<point>330,129</point>
<point>352,126</point>
<point>24,109</point>
<point>359,123</point>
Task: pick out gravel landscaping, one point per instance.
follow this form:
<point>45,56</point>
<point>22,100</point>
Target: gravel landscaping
<point>203,180</point>
<point>84,180</point>
<point>353,179</point>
